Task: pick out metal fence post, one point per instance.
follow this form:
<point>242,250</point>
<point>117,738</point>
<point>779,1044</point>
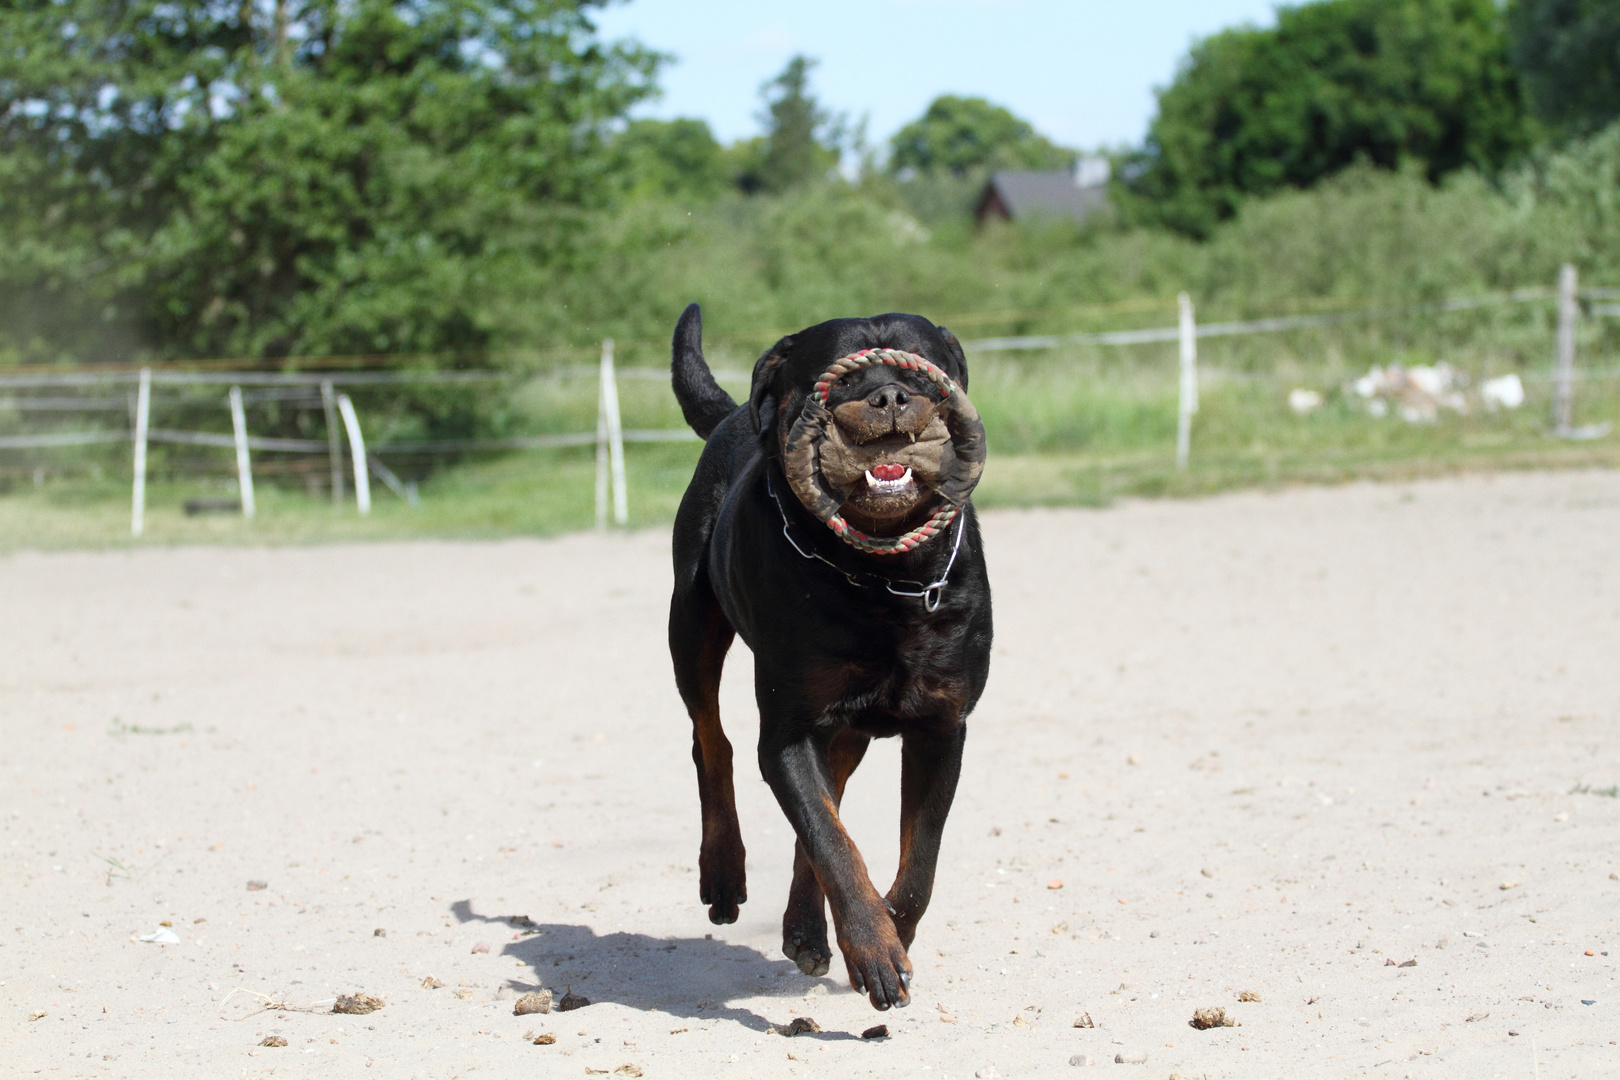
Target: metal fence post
<point>143,413</point>
<point>334,448</point>
<point>1564,383</point>
<point>244,468</point>
<point>1189,381</point>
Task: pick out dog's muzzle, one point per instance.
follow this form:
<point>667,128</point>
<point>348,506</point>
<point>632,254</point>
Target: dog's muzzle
<point>823,466</point>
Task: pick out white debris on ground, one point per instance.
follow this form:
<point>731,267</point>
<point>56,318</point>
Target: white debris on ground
<point>1303,401</point>
<point>1417,393</point>
<point>1506,392</point>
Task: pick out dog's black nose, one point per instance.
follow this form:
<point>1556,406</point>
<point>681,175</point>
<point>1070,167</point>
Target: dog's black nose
<point>890,396</point>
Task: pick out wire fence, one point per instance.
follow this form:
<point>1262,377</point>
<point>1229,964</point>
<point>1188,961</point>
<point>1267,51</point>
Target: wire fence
<point>350,460</point>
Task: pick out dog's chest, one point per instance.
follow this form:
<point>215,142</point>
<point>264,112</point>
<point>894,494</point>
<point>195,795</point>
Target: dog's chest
<point>918,677</point>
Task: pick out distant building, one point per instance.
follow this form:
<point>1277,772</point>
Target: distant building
<point>1076,192</point>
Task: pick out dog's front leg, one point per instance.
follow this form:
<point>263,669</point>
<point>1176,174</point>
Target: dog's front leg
<point>796,769</point>
<point>930,764</point>
<point>804,923</point>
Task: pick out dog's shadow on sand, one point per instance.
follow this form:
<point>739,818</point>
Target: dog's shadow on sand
<point>692,978</point>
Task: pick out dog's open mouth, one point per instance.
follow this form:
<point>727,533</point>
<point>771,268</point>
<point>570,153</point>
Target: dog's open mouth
<point>889,479</point>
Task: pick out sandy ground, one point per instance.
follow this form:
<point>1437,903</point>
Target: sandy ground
<point>1289,744</point>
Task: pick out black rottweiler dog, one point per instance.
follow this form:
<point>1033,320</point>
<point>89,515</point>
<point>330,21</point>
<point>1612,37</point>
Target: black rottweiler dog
<point>828,523</point>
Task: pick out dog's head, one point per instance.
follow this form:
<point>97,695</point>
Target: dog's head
<point>871,420</point>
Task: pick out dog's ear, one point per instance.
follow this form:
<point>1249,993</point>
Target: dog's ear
<point>764,393</point>
<point>955,349</point>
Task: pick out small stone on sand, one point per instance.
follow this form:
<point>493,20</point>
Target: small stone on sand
<point>379,932</point>
<point>357,1004</point>
<point>538,1002</point>
<point>1407,963</point>
<point>1248,995</point>
<point>1082,1059</point>
<point>1130,1059</point>
<point>801,1025</point>
<point>571,1001</point>
<point>430,983</point>
<point>1084,1020</point>
<point>881,1031</point>
<point>38,1015</point>
<point>255,885</point>
<point>482,946</point>
<point>627,1069</point>
<point>273,1040</point>
<point>545,1040</point>
<point>1212,1017</point>
<point>1055,883</point>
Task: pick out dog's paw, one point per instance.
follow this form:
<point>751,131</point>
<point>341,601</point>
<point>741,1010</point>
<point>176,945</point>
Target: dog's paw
<point>905,922</point>
<point>724,892</point>
<point>879,967</point>
<point>813,957</point>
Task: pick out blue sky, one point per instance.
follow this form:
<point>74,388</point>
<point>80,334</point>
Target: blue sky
<point>1083,72</point>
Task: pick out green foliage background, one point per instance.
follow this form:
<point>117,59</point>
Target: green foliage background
<point>1385,81</point>
<point>1568,52</point>
<point>457,183</point>
<point>328,176</point>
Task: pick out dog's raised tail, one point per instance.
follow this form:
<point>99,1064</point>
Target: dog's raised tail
<point>703,403</point>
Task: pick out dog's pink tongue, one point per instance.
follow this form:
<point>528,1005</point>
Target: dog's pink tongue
<point>888,472</point>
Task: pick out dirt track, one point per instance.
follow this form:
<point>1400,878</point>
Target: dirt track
<point>1268,743</point>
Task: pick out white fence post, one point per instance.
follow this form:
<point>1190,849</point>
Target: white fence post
<point>143,411</point>
<point>601,455</point>
<point>357,450</point>
<point>244,468</point>
<point>1564,383</point>
<point>1189,381</point>
<point>609,445</point>
<point>334,448</point>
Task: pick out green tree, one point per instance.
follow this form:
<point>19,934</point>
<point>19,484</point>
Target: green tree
<point>671,159</point>
<point>801,137</point>
<point>957,134</point>
<point>1568,55</point>
<point>1252,111</point>
<point>312,176</point>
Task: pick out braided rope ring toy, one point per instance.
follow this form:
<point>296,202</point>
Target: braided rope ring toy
<point>967,457</point>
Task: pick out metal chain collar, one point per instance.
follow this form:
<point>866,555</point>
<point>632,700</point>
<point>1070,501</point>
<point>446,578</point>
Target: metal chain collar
<point>931,595</point>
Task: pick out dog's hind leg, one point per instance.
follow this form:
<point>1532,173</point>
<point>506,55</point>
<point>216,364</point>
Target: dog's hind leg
<point>929,767</point>
<point>804,923</point>
<point>699,637</point>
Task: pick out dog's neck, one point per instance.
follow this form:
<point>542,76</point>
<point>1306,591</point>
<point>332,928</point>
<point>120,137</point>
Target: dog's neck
<point>809,534</point>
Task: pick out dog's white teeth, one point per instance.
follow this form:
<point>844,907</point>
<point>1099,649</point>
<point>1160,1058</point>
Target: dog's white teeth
<point>888,487</point>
